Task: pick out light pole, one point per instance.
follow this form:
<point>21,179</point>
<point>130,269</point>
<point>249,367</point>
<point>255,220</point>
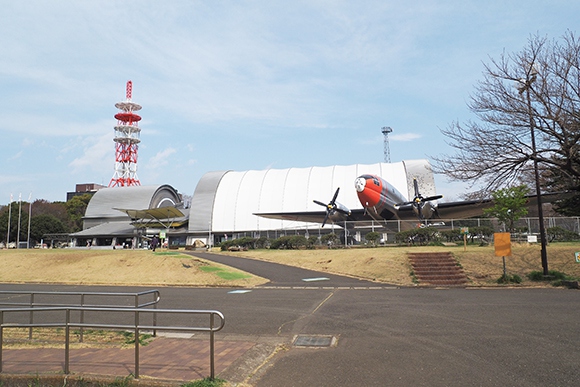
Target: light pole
<point>9,216</point>
<point>526,85</point>
<point>19,215</point>
<point>29,216</point>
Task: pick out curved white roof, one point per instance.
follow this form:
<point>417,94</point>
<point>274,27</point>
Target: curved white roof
<point>227,200</point>
<point>103,205</point>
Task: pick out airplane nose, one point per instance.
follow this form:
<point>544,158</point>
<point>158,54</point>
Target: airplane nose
<point>360,184</point>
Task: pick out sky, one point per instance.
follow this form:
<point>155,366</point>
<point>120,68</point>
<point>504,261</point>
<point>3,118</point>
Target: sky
<point>241,85</point>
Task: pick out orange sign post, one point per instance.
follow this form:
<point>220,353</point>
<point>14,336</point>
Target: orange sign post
<point>503,246</point>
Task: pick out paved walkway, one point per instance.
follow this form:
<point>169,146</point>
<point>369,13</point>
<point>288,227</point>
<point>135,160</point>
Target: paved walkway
<point>164,359</point>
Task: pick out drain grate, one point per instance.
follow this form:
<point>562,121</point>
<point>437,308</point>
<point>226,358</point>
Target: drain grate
<point>314,341</point>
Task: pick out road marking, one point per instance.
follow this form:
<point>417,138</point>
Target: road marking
<point>329,287</point>
<point>315,279</point>
<point>239,291</point>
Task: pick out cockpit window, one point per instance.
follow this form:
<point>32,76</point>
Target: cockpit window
<point>376,181</point>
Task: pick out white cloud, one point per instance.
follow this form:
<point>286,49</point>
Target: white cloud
<point>404,137</point>
<point>161,158</point>
<point>16,156</point>
<point>227,72</point>
<point>97,155</point>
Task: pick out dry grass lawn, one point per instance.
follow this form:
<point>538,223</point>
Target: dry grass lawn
<point>382,264</point>
<point>117,267</point>
<point>390,264</point>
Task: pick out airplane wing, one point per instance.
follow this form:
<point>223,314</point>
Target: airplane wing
<point>169,216</point>
<point>471,208</point>
<point>447,210</point>
<point>462,209</point>
<point>312,216</point>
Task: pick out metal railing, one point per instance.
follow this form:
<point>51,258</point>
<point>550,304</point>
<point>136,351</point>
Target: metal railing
<point>81,301</point>
<point>392,227</point>
<point>136,326</point>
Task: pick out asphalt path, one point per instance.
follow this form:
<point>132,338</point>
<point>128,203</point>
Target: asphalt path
<point>284,275</point>
<point>388,336</point>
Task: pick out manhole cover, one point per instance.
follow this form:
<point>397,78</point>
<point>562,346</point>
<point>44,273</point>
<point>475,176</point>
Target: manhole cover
<point>313,341</point>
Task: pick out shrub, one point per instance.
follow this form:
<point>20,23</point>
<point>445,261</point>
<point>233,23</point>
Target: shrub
<point>244,242</point>
<point>289,242</point>
<point>225,245</point>
<point>373,237</point>
<point>552,275</point>
<point>332,238</point>
<point>453,235</point>
<point>262,243</point>
<point>312,241</point>
<point>506,279</point>
<point>247,242</point>
<point>559,234</point>
<point>418,236</point>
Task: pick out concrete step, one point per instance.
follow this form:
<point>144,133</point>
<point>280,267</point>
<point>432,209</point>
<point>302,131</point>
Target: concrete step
<point>438,269</point>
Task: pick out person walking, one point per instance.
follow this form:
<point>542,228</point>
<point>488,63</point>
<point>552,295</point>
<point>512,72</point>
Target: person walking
<point>154,243</point>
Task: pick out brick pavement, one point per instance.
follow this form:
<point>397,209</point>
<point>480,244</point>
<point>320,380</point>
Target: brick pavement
<point>164,359</point>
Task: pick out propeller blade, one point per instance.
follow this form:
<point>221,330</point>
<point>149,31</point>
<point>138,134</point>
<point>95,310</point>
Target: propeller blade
<point>335,196</point>
<point>429,198</point>
<point>332,207</point>
<point>325,219</point>
<point>416,185</point>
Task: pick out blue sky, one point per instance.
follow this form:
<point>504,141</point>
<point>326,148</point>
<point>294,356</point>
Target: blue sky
<point>242,84</point>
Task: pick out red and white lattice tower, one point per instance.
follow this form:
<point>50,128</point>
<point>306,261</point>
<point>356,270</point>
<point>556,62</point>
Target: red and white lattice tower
<point>126,142</point>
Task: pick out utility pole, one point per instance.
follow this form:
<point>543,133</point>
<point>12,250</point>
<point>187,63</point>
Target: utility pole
<point>526,85</point>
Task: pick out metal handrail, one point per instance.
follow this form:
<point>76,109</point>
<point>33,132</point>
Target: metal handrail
<point>32,295</point>
<point>33,304</point>
<point>67,324</point>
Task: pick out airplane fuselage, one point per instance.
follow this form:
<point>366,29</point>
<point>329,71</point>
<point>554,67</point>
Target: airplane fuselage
<point>378,196</point>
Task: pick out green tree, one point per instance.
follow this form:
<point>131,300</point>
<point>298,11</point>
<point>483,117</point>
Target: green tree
<point>14,222</point>
<point>509,205</point>
<point>76,208</point>
<point>45,224</point>
<point>56,209</point>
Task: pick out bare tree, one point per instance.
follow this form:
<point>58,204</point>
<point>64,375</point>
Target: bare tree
<point>535,91</point>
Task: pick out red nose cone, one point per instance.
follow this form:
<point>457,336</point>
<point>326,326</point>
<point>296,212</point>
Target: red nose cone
<point>368,198</point>
<point>368,191</point>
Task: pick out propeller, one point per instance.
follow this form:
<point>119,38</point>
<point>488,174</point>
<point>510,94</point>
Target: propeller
<point>331,207</point>
<point>419,200</point>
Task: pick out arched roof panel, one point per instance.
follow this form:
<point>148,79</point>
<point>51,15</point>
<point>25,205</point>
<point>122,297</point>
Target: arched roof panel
<point>248,197</point>
<point>271,193</point>
<point>203,201</point>
<point>225,201</point>
<point>240,194</point>
<point>105,200</point>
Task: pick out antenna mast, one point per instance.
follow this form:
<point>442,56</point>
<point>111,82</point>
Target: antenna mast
<point>127,142</point>
<point>386,151</point>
